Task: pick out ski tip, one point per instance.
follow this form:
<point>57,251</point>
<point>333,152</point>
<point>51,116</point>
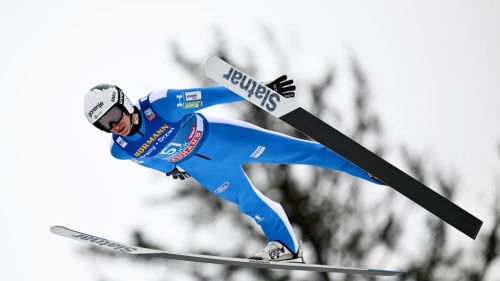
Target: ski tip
<point>56,229</point>
<point>213,59</point>
<point>210,63</point>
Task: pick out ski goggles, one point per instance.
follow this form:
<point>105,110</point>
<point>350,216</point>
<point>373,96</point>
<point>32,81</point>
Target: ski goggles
<point>113,116</point>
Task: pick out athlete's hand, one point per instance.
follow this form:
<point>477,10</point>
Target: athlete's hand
<point>283,86</point>
<point>178,174</point>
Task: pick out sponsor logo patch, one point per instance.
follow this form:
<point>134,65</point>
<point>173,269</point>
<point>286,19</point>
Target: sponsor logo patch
<point>149,114</point>
<point>121,142</point>
<point>222,188</point>
<point>192,104</point>
<point>191,96</point>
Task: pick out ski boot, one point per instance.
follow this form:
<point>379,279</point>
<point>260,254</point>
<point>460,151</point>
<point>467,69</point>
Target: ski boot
<point>277,252</point>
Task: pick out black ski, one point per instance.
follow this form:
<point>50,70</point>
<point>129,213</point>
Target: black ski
<point>384,171</point>
<point>302,120</point>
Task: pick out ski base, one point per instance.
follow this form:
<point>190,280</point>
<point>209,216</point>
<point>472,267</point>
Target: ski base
<point>127,249</point>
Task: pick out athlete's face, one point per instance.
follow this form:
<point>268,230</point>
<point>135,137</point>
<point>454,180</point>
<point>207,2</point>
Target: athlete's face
<point>123,126</point>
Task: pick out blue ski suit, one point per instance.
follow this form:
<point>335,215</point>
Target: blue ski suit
<point>212,150</point>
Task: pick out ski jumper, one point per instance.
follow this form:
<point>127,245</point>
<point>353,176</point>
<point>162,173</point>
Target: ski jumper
<point>212,150</point>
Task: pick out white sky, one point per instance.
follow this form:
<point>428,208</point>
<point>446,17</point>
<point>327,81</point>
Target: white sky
<point>434,69</point>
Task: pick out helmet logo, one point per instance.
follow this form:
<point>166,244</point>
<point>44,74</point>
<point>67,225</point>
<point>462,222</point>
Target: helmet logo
<point>120,98</point>
<point>95,108</point>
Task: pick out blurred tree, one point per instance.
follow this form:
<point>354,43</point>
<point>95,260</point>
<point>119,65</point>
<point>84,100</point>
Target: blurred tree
<point>338,224</point>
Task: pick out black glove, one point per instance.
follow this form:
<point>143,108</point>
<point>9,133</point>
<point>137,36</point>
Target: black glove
<point>178,174</point>
<point>283,86</point>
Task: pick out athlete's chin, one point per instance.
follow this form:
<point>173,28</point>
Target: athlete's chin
<point>125,132</point>
<point>121,132</point>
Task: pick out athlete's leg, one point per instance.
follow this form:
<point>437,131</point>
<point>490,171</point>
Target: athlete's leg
<point>231,183</point>
<point>238,142</point>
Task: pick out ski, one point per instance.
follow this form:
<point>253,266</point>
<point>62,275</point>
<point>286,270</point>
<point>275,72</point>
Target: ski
<point>139,251</point>
<point>287,110</point>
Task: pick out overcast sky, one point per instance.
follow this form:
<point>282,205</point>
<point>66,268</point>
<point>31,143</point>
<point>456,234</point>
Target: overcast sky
<point>434,68</point>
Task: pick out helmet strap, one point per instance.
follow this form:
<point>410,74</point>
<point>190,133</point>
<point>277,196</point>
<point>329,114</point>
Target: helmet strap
<point>135,122</point>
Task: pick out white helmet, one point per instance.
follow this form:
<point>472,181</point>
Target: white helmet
<point>102,99</point>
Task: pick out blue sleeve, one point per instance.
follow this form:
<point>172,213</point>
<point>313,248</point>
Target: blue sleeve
<point>199,98</point>
<point>173,104</point>
<point>153,163</point>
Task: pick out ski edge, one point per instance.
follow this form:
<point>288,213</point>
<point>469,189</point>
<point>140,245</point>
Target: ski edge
<point>127,249</point>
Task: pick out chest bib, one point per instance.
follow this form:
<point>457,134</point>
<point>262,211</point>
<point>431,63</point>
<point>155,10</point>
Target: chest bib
<point>171,141</point>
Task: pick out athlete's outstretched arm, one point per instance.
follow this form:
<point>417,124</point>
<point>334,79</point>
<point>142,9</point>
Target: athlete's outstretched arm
<point>189,100</point>
<point>174,104</point>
